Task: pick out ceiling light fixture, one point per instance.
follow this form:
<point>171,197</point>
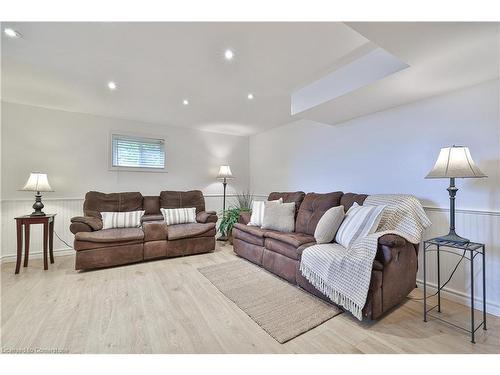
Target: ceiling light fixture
<point>228,54</point>
<point>112,85</point>
<point>11,33</point>
<point>185,102</point>
<point>250,96</point>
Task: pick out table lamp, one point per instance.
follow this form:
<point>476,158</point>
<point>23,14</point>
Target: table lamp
<point>37,182</point>
<point>454,162</point>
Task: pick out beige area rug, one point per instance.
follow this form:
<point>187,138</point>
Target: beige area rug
<point>281,309</point>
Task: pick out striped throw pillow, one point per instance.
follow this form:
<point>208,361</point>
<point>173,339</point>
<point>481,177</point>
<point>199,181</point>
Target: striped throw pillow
<point>258,208</point>
<point>359,222</point>
<point>130,219</point>
<point>179,215</point>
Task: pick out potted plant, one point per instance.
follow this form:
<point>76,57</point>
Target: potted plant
<point>232,214</point>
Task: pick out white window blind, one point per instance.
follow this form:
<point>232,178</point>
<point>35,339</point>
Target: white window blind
<point>136,152</point>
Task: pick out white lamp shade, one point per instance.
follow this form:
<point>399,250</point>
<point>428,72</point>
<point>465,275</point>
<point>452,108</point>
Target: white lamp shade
<point>224,172</point>
<point>455,162</point>
<point>37,182</point>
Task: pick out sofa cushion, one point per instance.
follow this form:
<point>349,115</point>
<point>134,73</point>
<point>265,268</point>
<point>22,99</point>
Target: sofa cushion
<point>108,238</point>
<point>254,231</point>
<point>176,232</point>
<point>295,197</point>
<point>96,202</point>
<point>294,239</point>
<point>286,249</point>
<point>183,199</point>
<point>312,208</point>
<point>111,235</point>
<point>348,200</point>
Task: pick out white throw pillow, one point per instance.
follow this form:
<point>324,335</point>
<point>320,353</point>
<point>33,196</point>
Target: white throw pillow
<point>179,215</point>
<point>359,222</point>
<point>130,219</point>
<point>258,208</point>
<point>329,224</point>
<point>280,217</point>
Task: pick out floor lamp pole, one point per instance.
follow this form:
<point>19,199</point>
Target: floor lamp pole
<point>224,184</point>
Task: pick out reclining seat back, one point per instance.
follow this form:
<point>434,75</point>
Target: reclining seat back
<point>96,202</point>
<point>348,200</point>
<point>312,208</point>
<point>183,199</point>
<point>288,197</point>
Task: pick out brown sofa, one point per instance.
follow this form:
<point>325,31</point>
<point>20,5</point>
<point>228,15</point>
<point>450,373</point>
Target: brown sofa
<point>394,269</point>
<point>96,247</point>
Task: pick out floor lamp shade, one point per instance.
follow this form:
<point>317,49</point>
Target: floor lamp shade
<point>224,172</point>
<point>37,182</point>
<point>454,162</point>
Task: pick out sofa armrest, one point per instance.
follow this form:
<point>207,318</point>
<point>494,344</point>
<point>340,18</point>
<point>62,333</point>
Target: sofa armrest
<point>244,217</point>
<point>389,247</point>
<point>85,224</point>
<point>206,217</point>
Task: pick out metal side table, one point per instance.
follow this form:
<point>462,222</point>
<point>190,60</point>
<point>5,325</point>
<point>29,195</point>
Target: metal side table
<point>467,251</point>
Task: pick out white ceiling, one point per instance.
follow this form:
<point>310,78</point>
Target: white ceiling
<point>156,65</point>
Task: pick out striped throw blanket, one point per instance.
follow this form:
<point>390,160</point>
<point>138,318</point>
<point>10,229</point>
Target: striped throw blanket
<point>344,274</point>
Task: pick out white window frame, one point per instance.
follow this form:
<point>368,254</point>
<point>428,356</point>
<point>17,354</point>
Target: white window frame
<point>111,167</point>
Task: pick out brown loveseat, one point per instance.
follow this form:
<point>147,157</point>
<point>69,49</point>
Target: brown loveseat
<point>96,247</point>
<point>394,269</point>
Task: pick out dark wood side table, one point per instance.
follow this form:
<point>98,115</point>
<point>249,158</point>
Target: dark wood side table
<point>48,236</point>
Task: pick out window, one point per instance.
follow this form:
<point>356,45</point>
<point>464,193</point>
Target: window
<point>129,152</point>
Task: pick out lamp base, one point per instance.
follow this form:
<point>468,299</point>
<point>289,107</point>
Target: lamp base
<point>453,237</point>
<point>38,206</point>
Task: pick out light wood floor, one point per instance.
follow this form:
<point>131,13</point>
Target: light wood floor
<point>167,306</point>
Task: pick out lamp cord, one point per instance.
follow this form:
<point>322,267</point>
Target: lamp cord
<point>447,281</point>
<point>64,242</point>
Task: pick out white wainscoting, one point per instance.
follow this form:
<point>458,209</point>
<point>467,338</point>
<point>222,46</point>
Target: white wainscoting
<point>65,208</point>
<point>478,226</point>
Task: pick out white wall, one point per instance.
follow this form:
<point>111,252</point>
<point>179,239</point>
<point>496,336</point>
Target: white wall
<point>72,149</point>
<point>391,152</point>
<point>387,152</point>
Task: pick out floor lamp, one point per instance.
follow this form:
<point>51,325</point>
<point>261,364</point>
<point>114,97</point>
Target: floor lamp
<point>224,175</point>
<point>454,162</point>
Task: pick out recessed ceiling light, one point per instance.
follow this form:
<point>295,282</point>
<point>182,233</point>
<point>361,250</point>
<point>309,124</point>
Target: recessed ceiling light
<point>250,96</point>
<point>228,54</point>
<point>112,85</point>
<point>11,33</point>
<point>185,102</point>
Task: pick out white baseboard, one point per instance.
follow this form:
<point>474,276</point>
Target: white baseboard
<point>462,298</point>
<point>37,255</point>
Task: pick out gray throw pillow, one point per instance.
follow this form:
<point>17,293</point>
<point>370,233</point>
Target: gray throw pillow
<point>280,217</point>
<point>329,224</point>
